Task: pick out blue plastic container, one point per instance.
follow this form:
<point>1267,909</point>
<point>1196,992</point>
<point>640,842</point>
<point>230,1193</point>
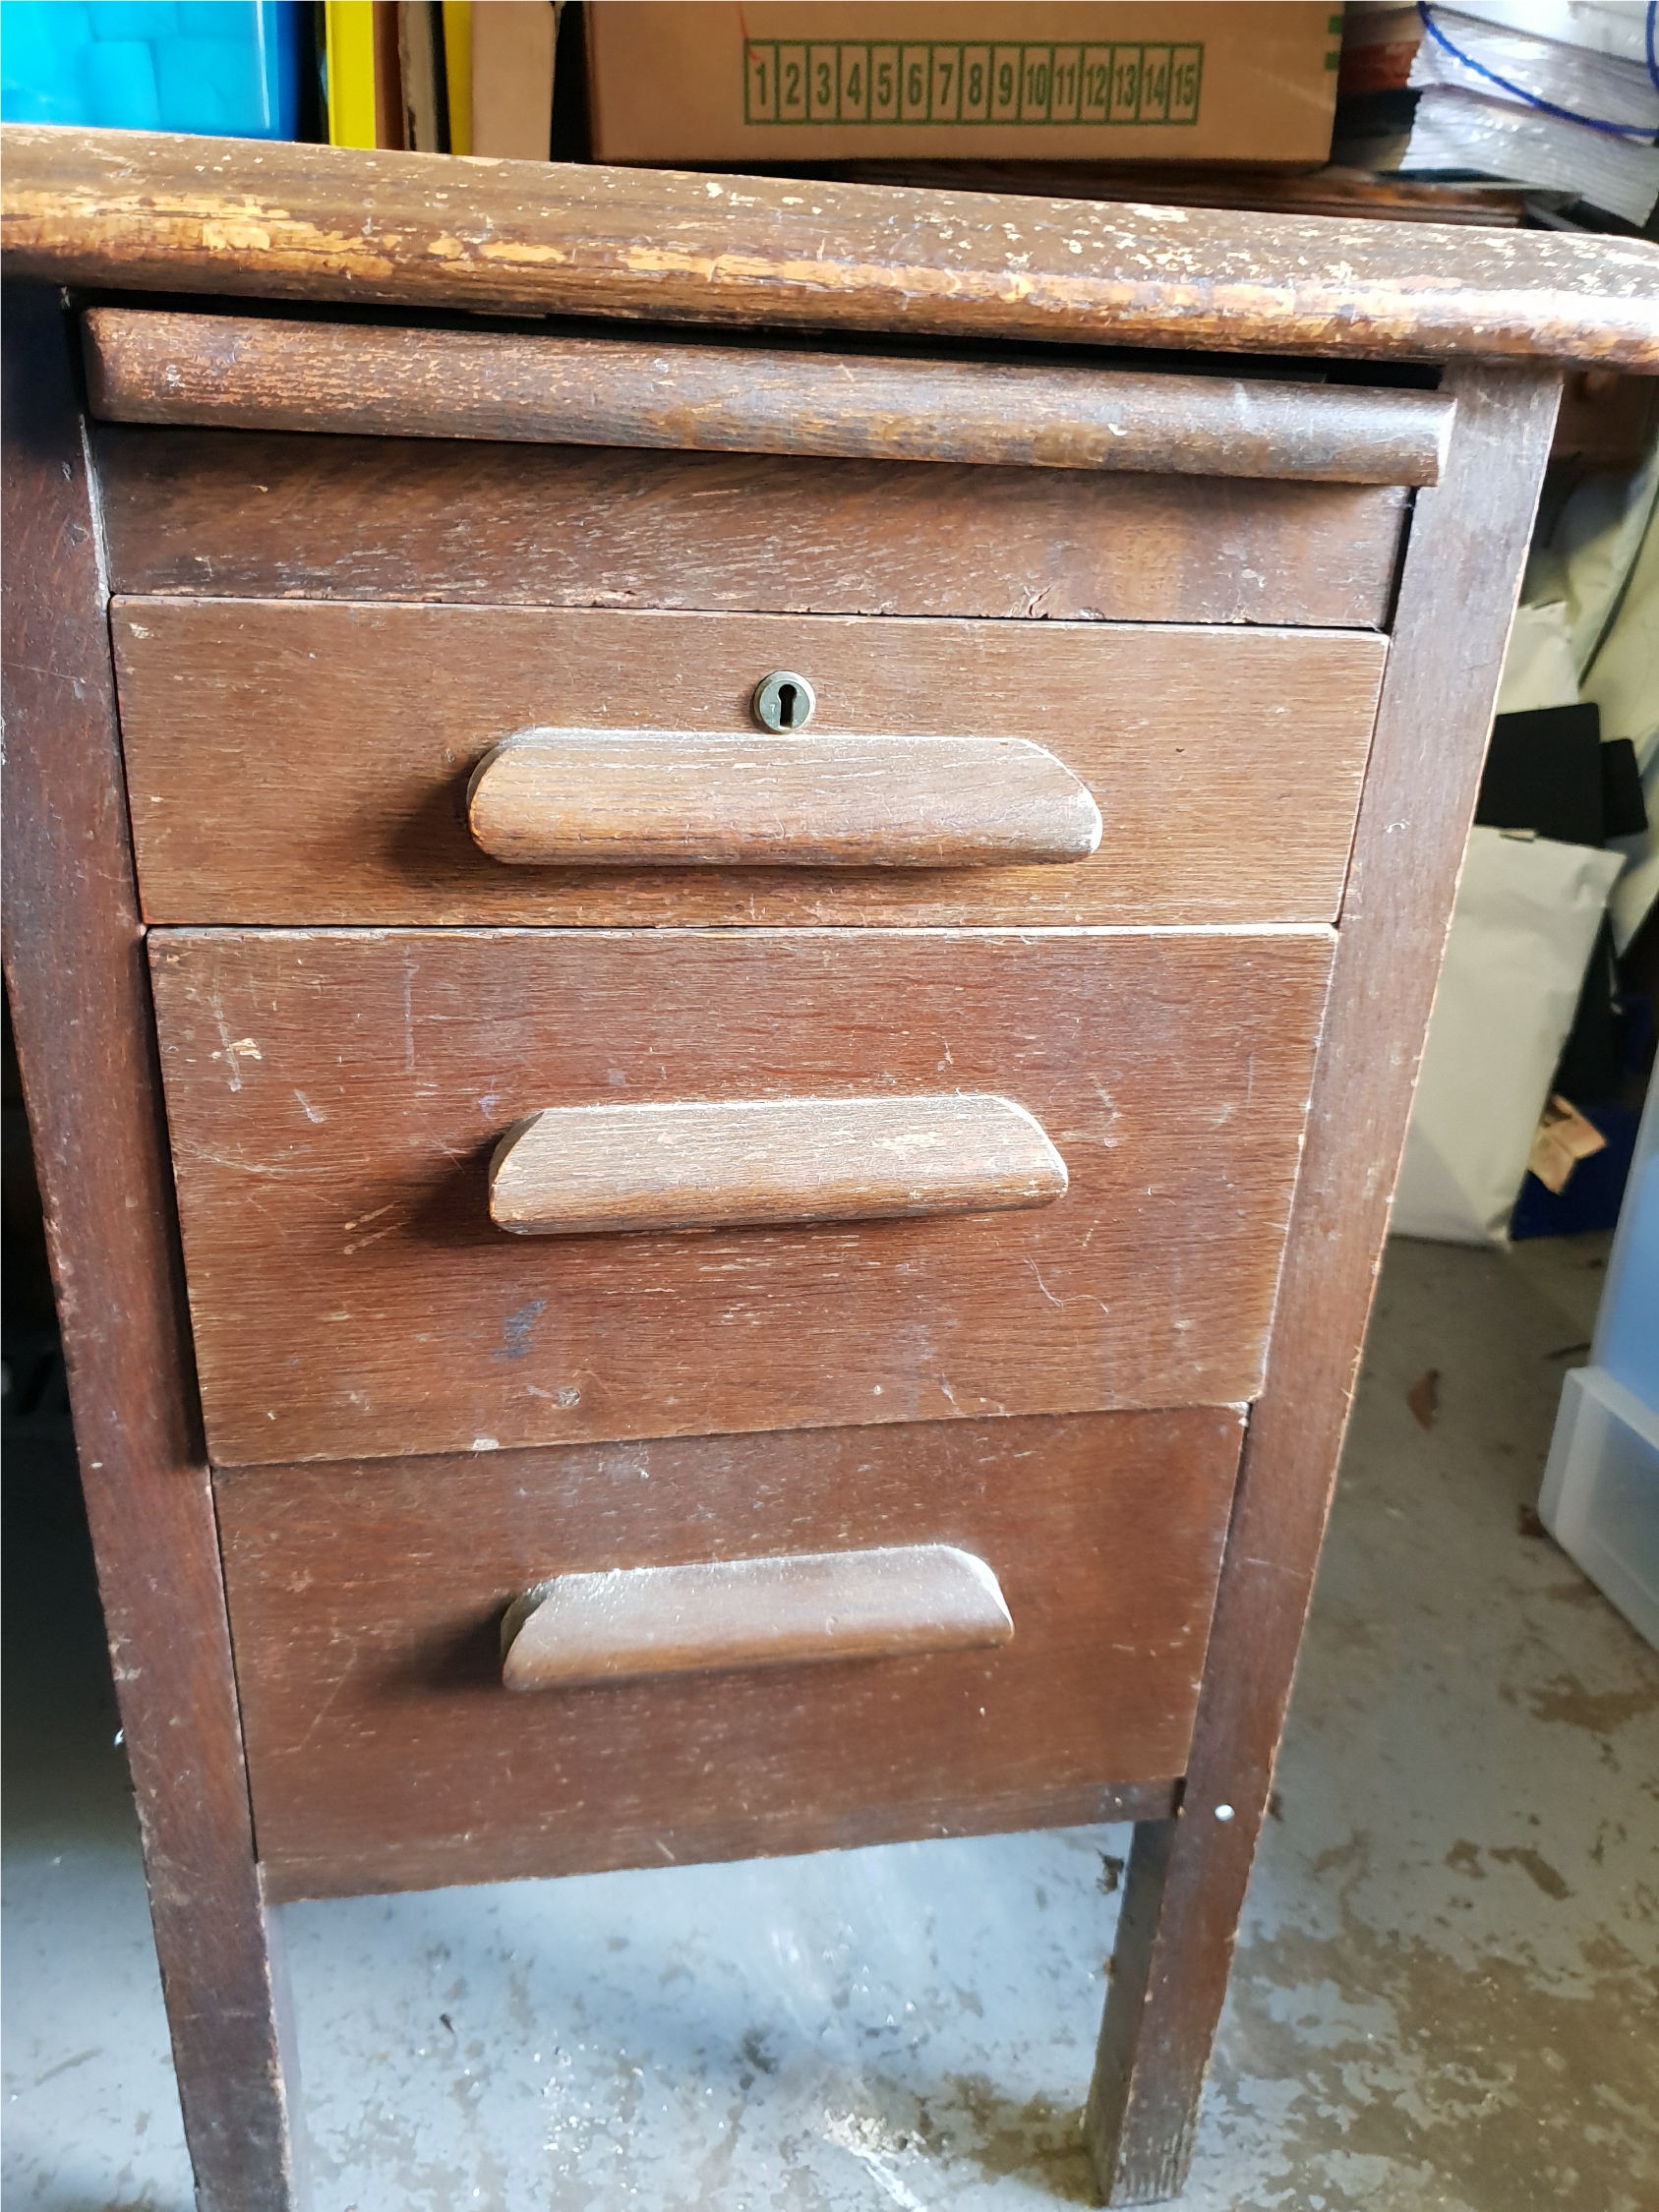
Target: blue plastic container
<point>1600,1500</point>
<point>227,68</point>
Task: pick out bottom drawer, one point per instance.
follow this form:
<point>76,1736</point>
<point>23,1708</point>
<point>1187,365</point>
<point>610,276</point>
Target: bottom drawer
<point>384,1753</point>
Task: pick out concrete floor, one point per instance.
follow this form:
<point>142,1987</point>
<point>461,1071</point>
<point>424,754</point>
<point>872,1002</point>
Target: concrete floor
<point>1444,2001</point>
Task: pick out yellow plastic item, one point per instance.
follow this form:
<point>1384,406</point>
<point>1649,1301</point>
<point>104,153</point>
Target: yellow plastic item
<point>457,71</point>
<point>349,32</point>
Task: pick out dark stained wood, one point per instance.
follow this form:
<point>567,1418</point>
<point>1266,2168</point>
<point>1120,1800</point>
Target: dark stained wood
<point>1186,1887</point>
<point>258,373</point>
<point>1607,421</point>
<point>579,1170</point>
<point>80,1002</point>
<point>335,1100</point>
<point>1167,1065</point>
<point>146,211</point>
<point>243,513</point>
<point>708,1616</point>
<point>299,764</point>
<point>385,1754</point>
<point>597,797</point>
<point>1332,191</point>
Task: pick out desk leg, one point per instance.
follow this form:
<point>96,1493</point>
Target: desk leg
<point>75,963</point>
<point>1187,1877</point>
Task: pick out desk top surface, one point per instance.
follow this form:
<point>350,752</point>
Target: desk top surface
<point>155,212</point>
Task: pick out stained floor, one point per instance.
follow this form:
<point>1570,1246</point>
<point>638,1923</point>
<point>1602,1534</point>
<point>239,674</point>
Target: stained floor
<point>1445,1998</point>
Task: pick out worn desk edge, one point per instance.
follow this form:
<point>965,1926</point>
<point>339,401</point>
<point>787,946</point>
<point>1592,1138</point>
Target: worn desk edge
<point>152,210</point>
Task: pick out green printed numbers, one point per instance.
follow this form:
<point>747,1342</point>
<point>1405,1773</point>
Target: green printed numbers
<point>855,84</point>
<point>792,84</point>
<point>1037,82</point>
<point>975,84</point>
<point>884,85</point>
<point>1005,83</point>
<point>914,81</point>
<point>1067,79</point>
<point>760,84</point>
<point>1154,84</point>
<point>945,82</point>
<point>1186,66</point>
<point>1094,105</point>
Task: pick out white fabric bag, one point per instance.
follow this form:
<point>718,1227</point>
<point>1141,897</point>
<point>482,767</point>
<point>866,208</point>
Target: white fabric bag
<point>1523,932</point>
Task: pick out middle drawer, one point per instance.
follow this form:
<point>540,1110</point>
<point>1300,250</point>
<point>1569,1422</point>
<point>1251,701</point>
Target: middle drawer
<point>335,1100</point>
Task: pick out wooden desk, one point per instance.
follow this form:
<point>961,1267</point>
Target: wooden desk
<point>484,1047</point>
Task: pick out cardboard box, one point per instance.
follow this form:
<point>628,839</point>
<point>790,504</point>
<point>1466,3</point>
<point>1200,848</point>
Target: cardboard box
<point>776,82</point>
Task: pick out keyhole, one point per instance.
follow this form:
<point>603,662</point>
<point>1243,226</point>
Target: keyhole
<point>783,701</point>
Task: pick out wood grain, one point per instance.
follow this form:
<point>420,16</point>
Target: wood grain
<point>708,1616</point>
<point>335,1100</point>
<point>150,212</point>
<point>576,1171</point>
<point>1331,190</point>
<point>383,1750</point>
<point>594,797</point>
<point>385,1754</point>
<point>298,763</point>
<point>244,513</point>
<point>1187,1882</point>
<point>80,1002</point>
<point>264,374</point>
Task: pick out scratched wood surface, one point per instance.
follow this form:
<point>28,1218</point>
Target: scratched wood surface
<point>575,1171</point>
<point>708,1616</point>
<point>79,1004</point>
<point>269,516</point>
<point>299,764</point>
<point>385,1754</point>
<point>1186,1881</point>
<point>1331,190</point>
<point>263,373</point>
<point>335,1100</point>
<point>143,210</point>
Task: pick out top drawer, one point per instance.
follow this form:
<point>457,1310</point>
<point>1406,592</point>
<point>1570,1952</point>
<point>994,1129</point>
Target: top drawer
<point>294,764</point>
<point>658,528</point>
<point>272,514</point>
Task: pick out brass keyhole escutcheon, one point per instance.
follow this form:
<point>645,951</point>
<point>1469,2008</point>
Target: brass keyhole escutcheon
<point>783,701</point>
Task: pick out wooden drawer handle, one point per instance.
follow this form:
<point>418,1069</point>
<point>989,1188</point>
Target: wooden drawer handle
<point>577,1171</point>
<point>752,1612</point>
<point>147,365</point>
<point>650,797</point>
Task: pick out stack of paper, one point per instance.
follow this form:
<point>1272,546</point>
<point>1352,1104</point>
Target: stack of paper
<point>1562,95</point>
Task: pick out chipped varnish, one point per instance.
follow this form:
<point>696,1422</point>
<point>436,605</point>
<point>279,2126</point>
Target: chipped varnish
<point>148,210</point>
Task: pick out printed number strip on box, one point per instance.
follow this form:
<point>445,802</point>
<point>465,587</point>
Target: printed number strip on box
<point>847,81</point>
